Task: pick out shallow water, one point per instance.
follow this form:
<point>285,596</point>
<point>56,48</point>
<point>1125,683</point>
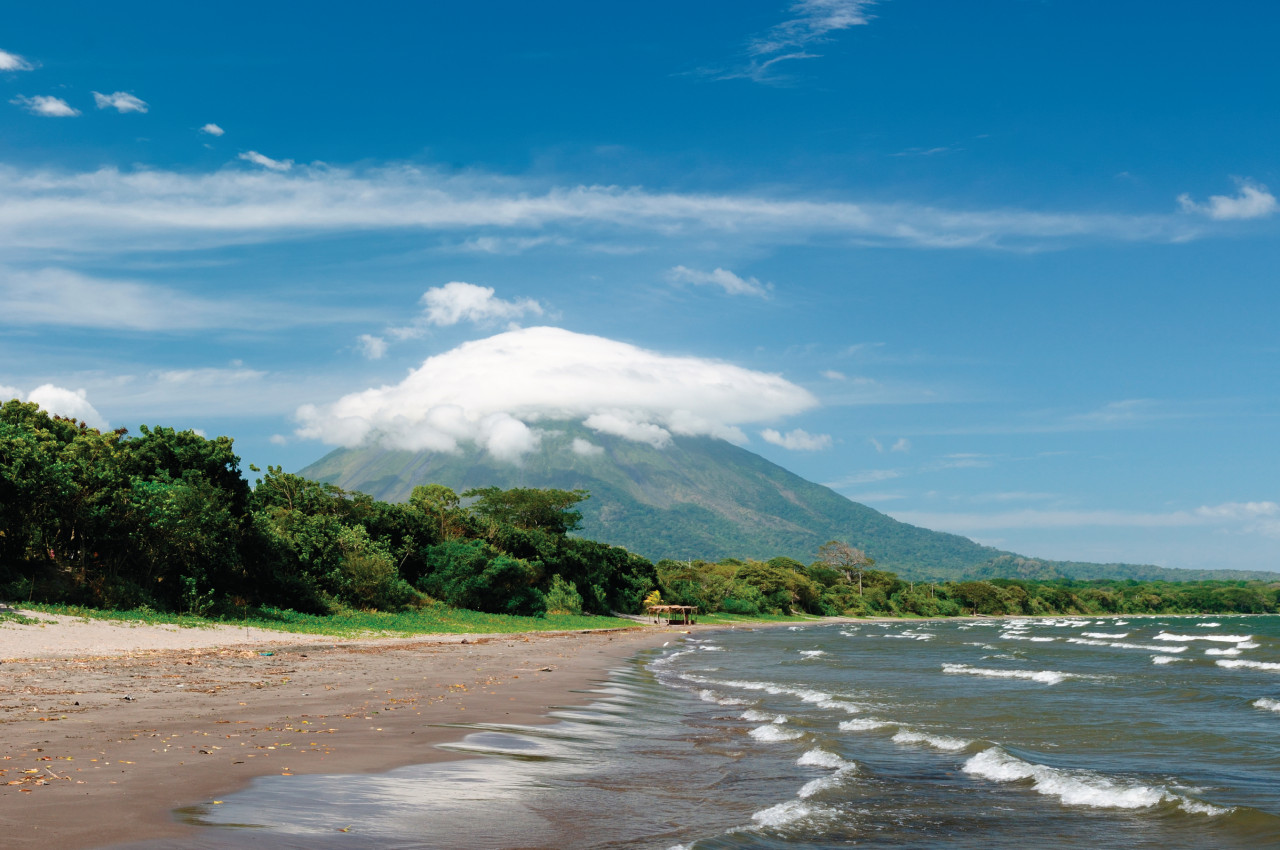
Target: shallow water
<point>1145,733</point>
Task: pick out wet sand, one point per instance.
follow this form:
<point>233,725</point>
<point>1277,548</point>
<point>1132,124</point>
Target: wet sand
<point>99,743</point>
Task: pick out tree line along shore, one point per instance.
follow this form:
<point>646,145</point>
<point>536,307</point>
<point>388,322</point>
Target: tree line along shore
<point>165,521</point>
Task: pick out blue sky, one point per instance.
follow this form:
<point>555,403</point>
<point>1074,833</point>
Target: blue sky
<point>1005,269</point>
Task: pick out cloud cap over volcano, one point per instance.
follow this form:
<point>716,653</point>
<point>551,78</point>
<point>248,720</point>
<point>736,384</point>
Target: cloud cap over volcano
<point>489,391</point>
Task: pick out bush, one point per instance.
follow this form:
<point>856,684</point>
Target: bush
<point>563,597</point>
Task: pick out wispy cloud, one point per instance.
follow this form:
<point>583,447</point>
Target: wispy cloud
<point>46,106</point>
<point>797,440</point>
<point>1247,517</point>
<point>371,346</point>
<point>60,297</point>
<point>812,22</point>
<point>731,283</point>
<point>113,210</point>
<point>266,161</point>
<point>212,130</point>
<point>120,101</point>
<point>1252,201</point>
<point>14,62</point>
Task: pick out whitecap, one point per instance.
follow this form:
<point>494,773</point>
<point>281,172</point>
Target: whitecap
<point>1165,659</point>
<point>1079,787</point>
<point>753,716</point>
<point>812,653</point>
<point>1248,644</point>
<point>938,742</point>
<point>1117,644</point>
<point>1122,622</point>
<point>863,724</point>
<point>1105,635</point>
<point>773,733</point>
<point>840,705</point>
<point>1218,638</point>
<point>818,757</point>
<point>784,814</point>
<point>1007,636</point>
<point>1228,651</point>
<point>1233,663</point>
<point>1268,704</point>
<point>1207,625</point>
<point>1048,677</point>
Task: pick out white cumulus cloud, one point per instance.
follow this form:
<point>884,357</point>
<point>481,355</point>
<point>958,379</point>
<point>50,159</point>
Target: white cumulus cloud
<point>70,404</point>
<point>797,440</point>
<point>46,105</point>
<point>490,391</point>
<point>373,347</point>
<point>13,62</point>
<point>212,130</point>
<point>586,448</point>
<point>120,101</point>
<point>266,161</point>
<point>723,278</point>
<point>457,302</point>
<point>1252,201</point>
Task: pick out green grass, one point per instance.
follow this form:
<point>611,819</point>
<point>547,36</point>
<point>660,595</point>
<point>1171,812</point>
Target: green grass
<point>435,619</point>
<point>17,617</point>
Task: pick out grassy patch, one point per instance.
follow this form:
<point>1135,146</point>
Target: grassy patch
<point>18,617</point>
<point>434,619</point>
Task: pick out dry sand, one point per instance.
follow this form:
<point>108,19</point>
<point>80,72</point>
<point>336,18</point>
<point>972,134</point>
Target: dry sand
<point>106,728</point>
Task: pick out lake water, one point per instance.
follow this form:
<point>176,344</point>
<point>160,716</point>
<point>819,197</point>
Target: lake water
<point>1156,732</point>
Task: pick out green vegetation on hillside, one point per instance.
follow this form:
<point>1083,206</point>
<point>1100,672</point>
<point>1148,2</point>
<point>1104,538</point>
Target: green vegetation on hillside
<point>784,586</point>
<point>165,521</point>
<point>164,524</point>
<point>701,497</point>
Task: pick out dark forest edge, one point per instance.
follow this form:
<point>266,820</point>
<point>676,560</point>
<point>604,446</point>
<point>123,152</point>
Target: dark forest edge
<point>165,522</point>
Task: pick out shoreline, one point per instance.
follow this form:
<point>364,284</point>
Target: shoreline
<point>151,719</point>
<point>102,750</point>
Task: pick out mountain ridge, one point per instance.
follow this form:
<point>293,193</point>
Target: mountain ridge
<point>702,497</point>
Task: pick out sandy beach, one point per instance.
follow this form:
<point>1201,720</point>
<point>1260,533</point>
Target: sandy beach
<point>106,728</point>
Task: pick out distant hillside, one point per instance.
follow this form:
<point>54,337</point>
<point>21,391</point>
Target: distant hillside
<point>697,498</point>
<point>1016,566</point>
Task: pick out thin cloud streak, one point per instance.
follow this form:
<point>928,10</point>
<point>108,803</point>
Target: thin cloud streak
<point>114,210</point>
<point>1249,517</point>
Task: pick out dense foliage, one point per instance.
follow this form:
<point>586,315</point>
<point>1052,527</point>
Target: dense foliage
<point>830,587</point>
<point>165,520</point>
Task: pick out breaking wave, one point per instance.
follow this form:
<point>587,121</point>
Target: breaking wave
<point>1233,663</point>
<point>1080,787</point>
<point>938,742</point>
<point>1048,677</point>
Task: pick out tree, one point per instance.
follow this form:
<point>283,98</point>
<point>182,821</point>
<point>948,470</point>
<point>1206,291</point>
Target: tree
<point>439,502</point>
<point>531,509</point>
<point>849,560</point>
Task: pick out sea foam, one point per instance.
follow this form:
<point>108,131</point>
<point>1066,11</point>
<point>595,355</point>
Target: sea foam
<point>1079,787</point>
<point>862,724</point>
<point>1118,644</point>
<point>1268,704</point>
<point>1048,677</point>
<point>1217,638</point>
<point>938,742</point>
<point>785,814</point>
<point>774,733</point>
<point>818,757</point>
<point>1233,663</point>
